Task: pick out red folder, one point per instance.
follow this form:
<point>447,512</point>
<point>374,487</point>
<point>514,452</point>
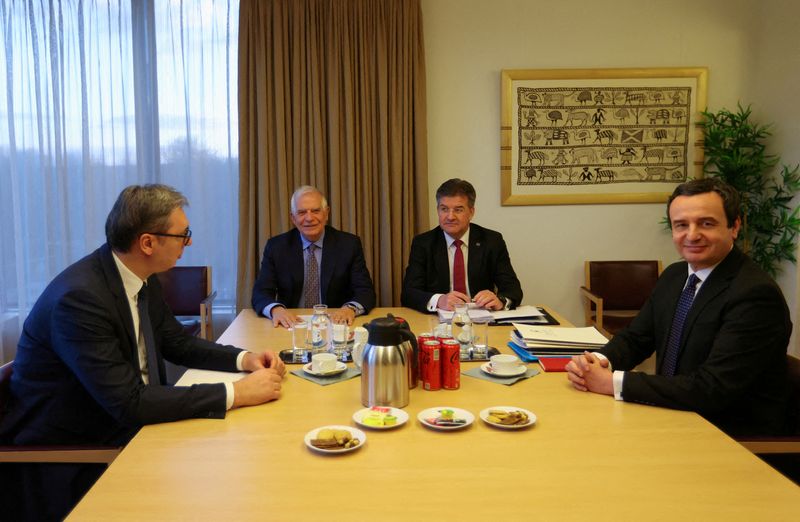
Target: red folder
<point>554,364</point>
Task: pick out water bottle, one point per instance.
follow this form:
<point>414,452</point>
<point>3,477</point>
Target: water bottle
<point>462,331</point>
<point>320,330</point>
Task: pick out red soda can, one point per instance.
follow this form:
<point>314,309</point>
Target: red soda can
<point>430,366</point>
<point>421,338</point>
<point>451,364</point>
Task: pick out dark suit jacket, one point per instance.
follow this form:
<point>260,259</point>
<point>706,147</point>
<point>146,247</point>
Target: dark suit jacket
<point>343,274</point>
<point>76,374</point>
<point>732,361</point>
<point>488,267</point>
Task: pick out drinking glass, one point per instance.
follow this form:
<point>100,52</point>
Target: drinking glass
<point>480,338</point>
<point>300,342</point>
<point>340,333</point>
<point>320,330</point>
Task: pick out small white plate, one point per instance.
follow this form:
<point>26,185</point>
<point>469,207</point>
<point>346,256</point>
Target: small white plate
<point>484,415</point>
<point>340,367</point>
<point>487,368</point>
<point>458,413</point>
<point>354,432</point>
<point>402,418</point>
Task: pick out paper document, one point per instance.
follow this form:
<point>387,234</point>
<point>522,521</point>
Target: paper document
<point>523,312</point>
<point>194,376</point>
<point>546,337</point>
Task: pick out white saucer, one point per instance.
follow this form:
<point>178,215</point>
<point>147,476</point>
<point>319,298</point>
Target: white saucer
<point>354,432</point>
<point>402,418</point>
<point>458,413</point>
<point>487,368</point>
<point>484,415</point>
<point>340,367</point>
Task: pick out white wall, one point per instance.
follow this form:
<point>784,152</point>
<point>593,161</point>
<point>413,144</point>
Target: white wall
<point>468,43</point>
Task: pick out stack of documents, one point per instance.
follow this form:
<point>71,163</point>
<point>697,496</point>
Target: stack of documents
<point>547,340</point>
<point>523,314</point>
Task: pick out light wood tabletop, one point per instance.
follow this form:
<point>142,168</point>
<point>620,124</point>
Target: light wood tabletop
<point>587,457</point>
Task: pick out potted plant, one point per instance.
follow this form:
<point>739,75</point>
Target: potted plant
<point>735,152</point>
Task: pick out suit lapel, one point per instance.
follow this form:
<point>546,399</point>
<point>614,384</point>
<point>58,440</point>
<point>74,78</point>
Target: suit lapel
<point>114,283</point>
<point>716,283</point>
<point>441,261</point>
<point>475,259</point>
<point>297,268</point>
<point>329,245</point>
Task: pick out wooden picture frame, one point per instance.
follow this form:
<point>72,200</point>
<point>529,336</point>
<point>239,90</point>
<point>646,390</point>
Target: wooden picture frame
<point>582,136</point>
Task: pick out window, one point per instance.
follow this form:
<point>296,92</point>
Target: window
<point>95,96</point>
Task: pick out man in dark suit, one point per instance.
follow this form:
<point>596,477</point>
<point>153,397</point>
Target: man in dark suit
<point>89,365</point>
<point>724,358</point>
<point>312,264</point>
<point>458,261</point>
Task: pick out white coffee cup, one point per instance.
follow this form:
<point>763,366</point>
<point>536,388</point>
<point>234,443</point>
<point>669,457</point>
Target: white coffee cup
<point>323,362</point>
<point>360,336</point>
<point>504,363</point>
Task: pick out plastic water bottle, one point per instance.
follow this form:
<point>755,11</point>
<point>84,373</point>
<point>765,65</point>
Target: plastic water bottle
<point>321,330</point>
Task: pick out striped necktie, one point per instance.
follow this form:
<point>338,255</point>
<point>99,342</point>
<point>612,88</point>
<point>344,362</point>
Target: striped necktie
<point>311,286</point>
<point>681,311</point>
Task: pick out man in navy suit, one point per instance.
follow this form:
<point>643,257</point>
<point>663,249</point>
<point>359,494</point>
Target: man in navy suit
<point>89,365</point>
<point>340,277</point>
<point>727,361</point>
<point>433,278</point>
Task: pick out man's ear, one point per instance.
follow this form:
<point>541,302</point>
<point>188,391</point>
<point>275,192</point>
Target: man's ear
<point>145,244</point>
<point>737,225</point>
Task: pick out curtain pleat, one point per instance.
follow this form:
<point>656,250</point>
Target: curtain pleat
<point>332,94</point>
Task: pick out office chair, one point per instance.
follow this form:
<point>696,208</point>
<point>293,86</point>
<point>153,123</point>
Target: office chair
<point>54,454</point>
<point>187,291</point>
<point>615,292</point>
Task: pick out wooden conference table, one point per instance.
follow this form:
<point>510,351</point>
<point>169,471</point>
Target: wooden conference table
<point>587,457</point>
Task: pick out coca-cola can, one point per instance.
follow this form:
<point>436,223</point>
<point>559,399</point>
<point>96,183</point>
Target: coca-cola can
<point>430,365</point>
<point>451,364</point>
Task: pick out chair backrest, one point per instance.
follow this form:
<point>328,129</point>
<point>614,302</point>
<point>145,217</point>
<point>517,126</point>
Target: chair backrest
<point>623,285</point>
<point>793,364</point>
<point>5,386</point>
<point>185,287</point>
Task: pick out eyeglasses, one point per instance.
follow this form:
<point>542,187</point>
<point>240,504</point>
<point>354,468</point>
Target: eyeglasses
<point>187,236</point>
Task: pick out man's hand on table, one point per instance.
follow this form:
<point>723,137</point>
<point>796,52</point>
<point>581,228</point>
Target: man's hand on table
<point>449,301</point>
<point>283,317</point>
<point>488,299</point>
<point>252,362</point>
<point>588,372</point>
<point>258,387</point>
<point>343,315</point>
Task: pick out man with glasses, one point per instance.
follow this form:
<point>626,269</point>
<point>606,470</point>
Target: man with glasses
<point>459,261</point>
<point>89,366</point>
<point>312,264</point>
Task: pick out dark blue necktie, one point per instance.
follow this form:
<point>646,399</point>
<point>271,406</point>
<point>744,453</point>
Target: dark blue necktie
<point>681,311</point>
<point>147,334</point>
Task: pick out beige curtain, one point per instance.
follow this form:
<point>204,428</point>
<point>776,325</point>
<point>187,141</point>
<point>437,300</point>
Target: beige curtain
<point>332,94</point>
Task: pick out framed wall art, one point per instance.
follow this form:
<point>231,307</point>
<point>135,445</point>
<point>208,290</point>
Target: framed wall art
<point>578,136</point>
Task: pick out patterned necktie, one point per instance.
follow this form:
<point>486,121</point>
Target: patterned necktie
<point>459,281</point>
<point>311,287</point>
<point>146,331</point>
<point>674,341</point>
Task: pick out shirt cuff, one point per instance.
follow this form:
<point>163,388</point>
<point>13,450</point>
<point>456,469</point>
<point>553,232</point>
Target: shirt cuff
<point>229,385</point>
<point>268,309</point>
<point>433,302</point>
<point>228,395</point>
<point>616,380</point>
<point>356,306</point>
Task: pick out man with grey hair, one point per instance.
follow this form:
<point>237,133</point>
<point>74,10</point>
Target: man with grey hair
<point>89,366</point>
<point>312,264</point>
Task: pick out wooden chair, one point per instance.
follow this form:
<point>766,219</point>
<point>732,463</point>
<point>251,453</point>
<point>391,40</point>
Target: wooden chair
<point>788,444</point>
<point>615,291</point>
<point>55,454</point>
<point>188,292</point>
